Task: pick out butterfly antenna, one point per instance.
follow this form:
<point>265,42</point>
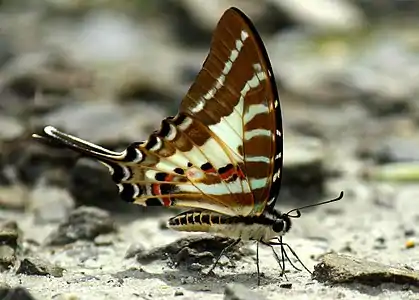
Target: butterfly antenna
<point>297,210</point>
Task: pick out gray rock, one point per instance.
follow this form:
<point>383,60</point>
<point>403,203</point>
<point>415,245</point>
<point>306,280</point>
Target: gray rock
<point>304,173</point>
<point>91,184</point>
<point>387,9</point>
<point>393,149</point>
<point>339,268</point>
<point>9,238</point>
<point>13,197</point>
<point>104,240</point>
<point>134,249</point>
<point>35,266</point>
<point>240,292</point>
<point>10,128</point>
<point>384,76</point>
<point>184,252</point>
<point>323,15</point>
<point>106,123</point>
<point>84,223</point>
<point>31,160</point>
<point>285,285</point>
<point>50,205</point>
<point>18,293</point>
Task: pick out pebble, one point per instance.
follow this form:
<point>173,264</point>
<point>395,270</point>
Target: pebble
<point>9,240</point>
<point>238,291</point>
<point>201,249</point>
<point>83,223</point>
<point>134,249</point>
<point>36,266</point>
<point>18,293</point>
<point>50,204</point>
<point>340,268</point>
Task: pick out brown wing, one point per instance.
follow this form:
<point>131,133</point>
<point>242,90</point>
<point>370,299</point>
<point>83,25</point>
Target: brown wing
<point>218,153</point>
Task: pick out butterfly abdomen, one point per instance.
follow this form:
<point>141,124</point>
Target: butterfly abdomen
<point>245,228</point>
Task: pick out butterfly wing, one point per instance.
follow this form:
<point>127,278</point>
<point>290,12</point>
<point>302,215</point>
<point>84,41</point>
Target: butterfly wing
<point>218,153</point>
<point>235,96</point>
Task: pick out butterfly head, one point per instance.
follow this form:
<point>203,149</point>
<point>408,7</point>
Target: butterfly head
<point>280,223</point>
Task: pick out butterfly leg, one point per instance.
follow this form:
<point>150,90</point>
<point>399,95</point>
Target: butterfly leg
<point>257,262</point>
<point>222,253</point>
<point>280,261</point>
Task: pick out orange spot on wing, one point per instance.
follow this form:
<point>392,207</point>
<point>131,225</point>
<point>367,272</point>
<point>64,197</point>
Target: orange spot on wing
<point>156,189</point>
<point>227,174</point>
<point>167,201</point>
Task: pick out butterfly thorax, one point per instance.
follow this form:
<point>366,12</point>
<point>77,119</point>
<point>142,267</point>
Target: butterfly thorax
<point>263,228</point>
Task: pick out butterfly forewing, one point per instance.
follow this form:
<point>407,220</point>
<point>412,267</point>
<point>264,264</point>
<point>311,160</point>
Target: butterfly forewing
<point>235,96</point>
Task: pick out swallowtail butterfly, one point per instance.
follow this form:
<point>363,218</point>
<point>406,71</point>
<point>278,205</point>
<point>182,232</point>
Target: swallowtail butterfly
<point>221,155</point>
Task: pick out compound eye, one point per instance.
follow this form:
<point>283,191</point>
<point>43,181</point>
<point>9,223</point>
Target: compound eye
<point>278,226</point>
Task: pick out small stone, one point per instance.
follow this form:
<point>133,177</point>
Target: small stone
<point>7,257</point>
<point>67,296</point>
<point>286,285</point>
<point>50,205</point>
<point>10,128</point>
<point>9,235</point>
<point>380,243</point>
<point>104,240</point>
<point>224,261</point>
<point>339,268</point>
<point>90,184</point>
<point>35,266</point>
<point>18,293</point>
<point>195,267</point>
<point>13,197</point>
<point>134,249</point>
<point>240,292</point>
<point>305,169</point>
<point>84,223</point>
<point>410,244</point>
<point>200,249</point>
<point>323,15</point>
<point>409,232</point>
<point>187,280</point>
<point>179,293</point>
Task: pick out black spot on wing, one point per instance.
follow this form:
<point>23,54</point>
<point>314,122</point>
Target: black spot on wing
<point>127,193</point>
<point>179,119</point>
<point>132,152</point>
<point>179,171</point>
<point>117,170</point>
<point>161,176</point>
<point>164,129</point>
<point>166,188</point>
<point>153,202</point>
<point>207,166</point>
<point>152,141</point>
<point>227,168</point>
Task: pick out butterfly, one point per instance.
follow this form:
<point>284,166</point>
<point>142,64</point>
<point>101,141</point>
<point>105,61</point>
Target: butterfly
<point>221,155</point>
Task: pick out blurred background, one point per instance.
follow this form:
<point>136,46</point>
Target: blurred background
<point>110,71</point>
